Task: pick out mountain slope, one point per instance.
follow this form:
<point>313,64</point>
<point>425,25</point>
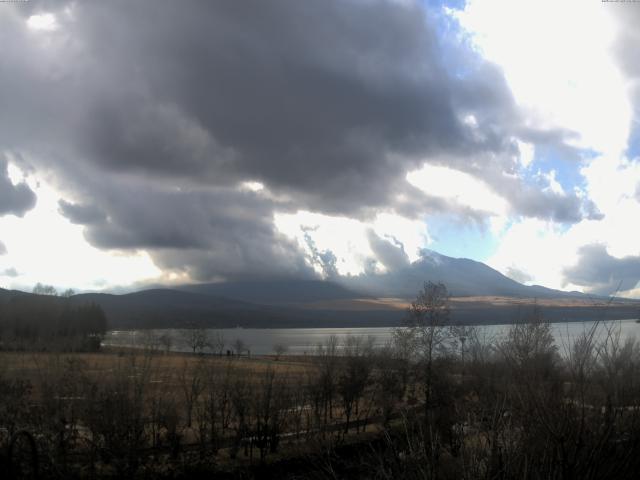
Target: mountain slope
<point>6,295</point>
<point>462,276</point>
<point>347,302</point>
<point>276,292</point>
<point>167,307</point>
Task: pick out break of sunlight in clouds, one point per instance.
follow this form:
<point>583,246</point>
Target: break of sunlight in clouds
<point>536,248</point>
<point>558,62</point>
<point>205,175</point>
<point>345,237</point>
<point>527,153</point>
<point>348,238</point>
<point>612,184</point>
<point>412,234</point>
<point>45,247</point>
<point>15,174</point>
<point>553,184</point>
<point>44,21</point>
<point>556,58</point>
<point>543,250</point>
<point>612,181</point>
<point>252,186</point>
<point>458,186</point>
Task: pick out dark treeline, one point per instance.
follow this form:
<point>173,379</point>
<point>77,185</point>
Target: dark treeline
<point>48,322</point>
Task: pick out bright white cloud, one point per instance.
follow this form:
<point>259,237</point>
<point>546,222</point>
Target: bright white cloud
<point>411,233</point>
<point>252,186</point>
<point>556,58</point>
<point>611,181</point>
<point>45,21</point>
<point>348,238</point>
<point>536,248</point>
<point>15,174</point>
<point>527,153</point>
<point>459,187</point>
<point>543,250</point>
<point>612,184</point>
<point>45,247</point>
<point>344,237</point>
<point>553,185</point>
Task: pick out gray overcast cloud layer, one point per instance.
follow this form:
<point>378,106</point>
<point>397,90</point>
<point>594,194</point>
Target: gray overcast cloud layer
<point>148,114</point>
<point>602,274</point>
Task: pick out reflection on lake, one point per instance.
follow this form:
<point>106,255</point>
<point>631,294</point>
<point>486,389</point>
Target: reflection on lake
<point>300,341</point>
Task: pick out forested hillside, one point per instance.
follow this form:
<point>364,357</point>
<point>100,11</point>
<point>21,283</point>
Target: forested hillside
<point>49,322</point>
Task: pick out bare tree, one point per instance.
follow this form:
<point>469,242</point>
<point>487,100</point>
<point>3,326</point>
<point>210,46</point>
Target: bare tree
<point>280,349</point>
<point>529,344</point>
<point>41,289</point>
<point>192,383</point>
<point>150,341</point>
<point>166,341</point>
<point>215,409</point>
<point>68,293</point>
<point>197,339</point>
<point>217,342</point>
<point>428,314</point>
<point>403,348</point>
<point>269,404</point>
<point>240,398</point>
<point>239,346</point>
<point>389,382</point>
<point>355,375</point>
<point>327,363</point>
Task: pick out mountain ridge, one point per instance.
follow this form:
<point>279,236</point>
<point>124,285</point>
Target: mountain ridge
<point>462,276</point>
<point>329,303</point>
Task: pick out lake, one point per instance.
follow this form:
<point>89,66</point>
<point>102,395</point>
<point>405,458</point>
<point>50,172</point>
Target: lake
<point>301,341</point>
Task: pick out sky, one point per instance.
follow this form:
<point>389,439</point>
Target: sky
<point>173,142</point>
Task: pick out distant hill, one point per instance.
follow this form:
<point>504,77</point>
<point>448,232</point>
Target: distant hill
<point>163,308</point>
<point>346,302</point>
<point>45,321</point>
<point>8,294</point>
<point>276,292</point>
<point>159,308</point>
<point>167,308</point>
<point>462,276</point>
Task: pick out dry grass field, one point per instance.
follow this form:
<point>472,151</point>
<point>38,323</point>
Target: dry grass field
<point>165,369</point>
<point>400,304</point>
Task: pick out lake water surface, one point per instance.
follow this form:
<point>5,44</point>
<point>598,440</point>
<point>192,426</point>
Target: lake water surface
<point>301,341</point>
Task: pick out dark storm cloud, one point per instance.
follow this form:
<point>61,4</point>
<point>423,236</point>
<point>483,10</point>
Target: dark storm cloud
<point>602,274</point>
<point>559,207</point>
<point>413,203</point>
<point>327,101</point>
<point>217,233</point>
<point>328,104</point>
<point>390,253</point>
<point>81,214</point>
<point>14,199</point>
